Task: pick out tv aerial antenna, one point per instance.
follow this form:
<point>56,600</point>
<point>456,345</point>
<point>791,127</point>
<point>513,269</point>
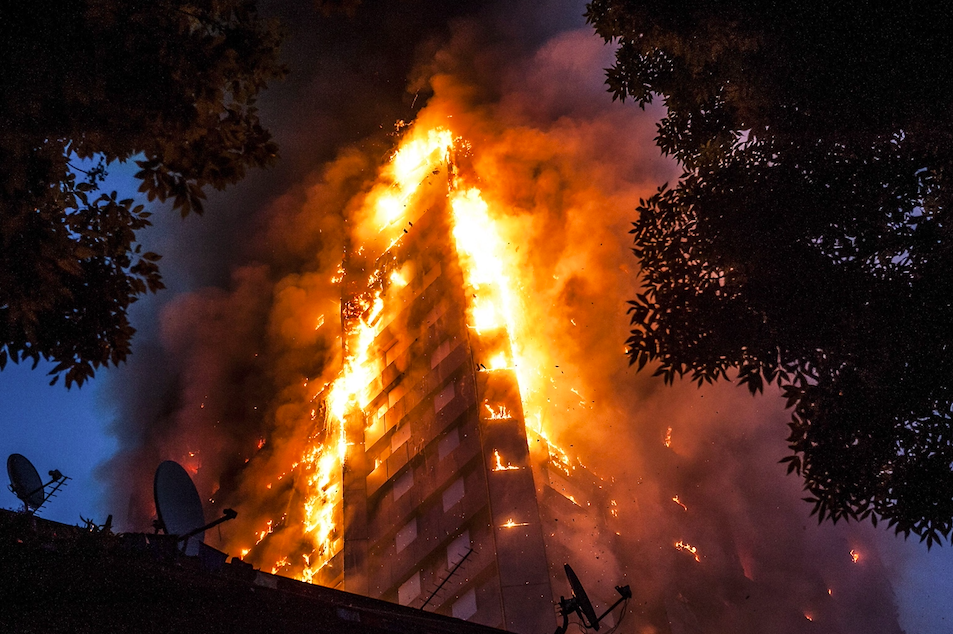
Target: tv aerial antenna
<point>179,506</point>
<point>25,483</point>
<point>580,604</point>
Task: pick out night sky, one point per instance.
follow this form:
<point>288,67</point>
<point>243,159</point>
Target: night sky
<point>351,80</point>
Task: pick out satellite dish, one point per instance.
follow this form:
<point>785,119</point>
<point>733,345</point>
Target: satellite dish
<point>179,506</point>
<point>582,599</point>
<point>25,481</point>
<point>580,604</point>
<point>177,501</point>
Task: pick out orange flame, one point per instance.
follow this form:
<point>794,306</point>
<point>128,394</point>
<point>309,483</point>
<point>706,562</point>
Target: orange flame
<point>486,257</point>
<point>499,463</point>
<point>680,545</point>
<point>500,413</point>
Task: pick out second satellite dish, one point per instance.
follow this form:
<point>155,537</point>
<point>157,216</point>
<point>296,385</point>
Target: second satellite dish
<point>26,484</point>
<point>177,501</point>
<point>25,481</point>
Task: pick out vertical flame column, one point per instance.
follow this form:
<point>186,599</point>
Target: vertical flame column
<point>514,511</point>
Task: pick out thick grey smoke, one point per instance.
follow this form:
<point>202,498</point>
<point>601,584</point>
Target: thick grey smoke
<point>224,373</point>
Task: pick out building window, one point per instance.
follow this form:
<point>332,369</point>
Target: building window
<point>394,351</point>
<point>409,590</point>
<point>465,606</point>
<point>448,443</point>
<point>400,436</point>
<point>458,549</point>
<point>445,396</point>
<point>453,494</point>
<point>406,535</point>
<point>403,484</point>
<point>441,353</point>
<point>396,393</point>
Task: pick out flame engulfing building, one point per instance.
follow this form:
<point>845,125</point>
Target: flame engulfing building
<point>427,477</point>
<point>440,489</point>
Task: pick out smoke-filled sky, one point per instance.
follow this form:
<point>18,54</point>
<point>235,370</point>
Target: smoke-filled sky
<point>222,358</point>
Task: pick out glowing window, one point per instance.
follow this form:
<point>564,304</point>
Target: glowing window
<point>395,395</point>
<point>445,396</point>
<point>465,606</point>
<point>395,350</point>
<point>406,535</point>
<point>404,484</point>
<point>457,550</point>
<point>452,495</point>
<point>409,590</point>
<point>448,443</point>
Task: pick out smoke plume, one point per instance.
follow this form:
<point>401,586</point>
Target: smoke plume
<point>226,377</point>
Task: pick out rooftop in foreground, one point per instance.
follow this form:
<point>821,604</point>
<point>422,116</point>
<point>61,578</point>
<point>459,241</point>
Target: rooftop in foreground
<point>59,578</point>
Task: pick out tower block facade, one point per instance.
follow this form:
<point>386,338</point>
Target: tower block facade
<point>440,505</point>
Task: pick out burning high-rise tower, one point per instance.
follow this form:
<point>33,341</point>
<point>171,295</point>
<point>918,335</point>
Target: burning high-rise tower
<point>422,486</point>
<point>438,478</point>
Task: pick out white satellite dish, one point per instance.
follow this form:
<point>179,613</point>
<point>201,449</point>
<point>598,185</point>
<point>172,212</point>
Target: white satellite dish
<point>179,506</point>
<point>177,501</point>
<point>25,482</point>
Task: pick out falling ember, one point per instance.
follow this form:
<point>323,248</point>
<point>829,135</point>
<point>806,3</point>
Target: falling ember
<point>319,322</point>
<point>830,591</point>
<point>614,508</point>
<point>499,463</point>
<point>808,617</point>
<point>510,523</point>
<point>668,437</point>
<point>854,556</point>
<point>680,545</point>
<point>679,502</point>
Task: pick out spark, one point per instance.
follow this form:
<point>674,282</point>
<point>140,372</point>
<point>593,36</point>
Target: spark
<point>679,502</point>
<point>854,556</point>
<point>680,545</point>
<point>668,438</point>
<point>510,523</point>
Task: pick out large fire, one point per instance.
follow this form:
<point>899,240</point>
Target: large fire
<point>490,271</point>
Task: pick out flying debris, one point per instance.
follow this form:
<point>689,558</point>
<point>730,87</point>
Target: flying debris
<point>688,548</point>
